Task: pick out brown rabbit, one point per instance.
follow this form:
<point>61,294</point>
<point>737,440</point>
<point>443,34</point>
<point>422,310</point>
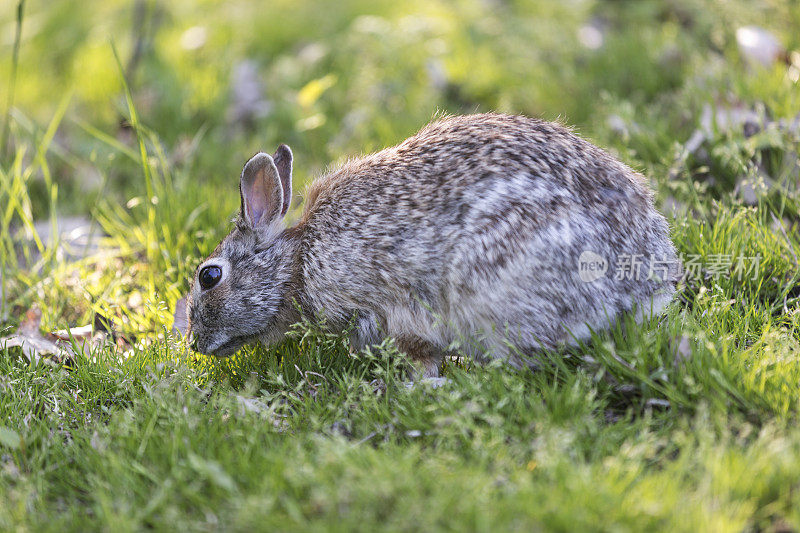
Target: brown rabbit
<point>495,228</point>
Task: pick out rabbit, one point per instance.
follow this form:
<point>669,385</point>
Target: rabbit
<point>500,229</point>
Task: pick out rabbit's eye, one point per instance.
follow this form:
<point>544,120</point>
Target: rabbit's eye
<point>209,276</point>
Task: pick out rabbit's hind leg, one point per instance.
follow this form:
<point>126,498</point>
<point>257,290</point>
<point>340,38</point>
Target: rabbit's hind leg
<point>367,331</point>
<point>425,356</point>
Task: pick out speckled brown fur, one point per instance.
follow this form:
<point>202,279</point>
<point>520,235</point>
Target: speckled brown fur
<point>470,229</point>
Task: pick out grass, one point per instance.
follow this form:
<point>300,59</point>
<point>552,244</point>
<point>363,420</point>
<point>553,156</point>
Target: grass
<point>686,423</point>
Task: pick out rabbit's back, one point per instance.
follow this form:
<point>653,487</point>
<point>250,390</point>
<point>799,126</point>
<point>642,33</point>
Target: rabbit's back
<point>480,224</point>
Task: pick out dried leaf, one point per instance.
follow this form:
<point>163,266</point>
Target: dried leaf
<point>58,344</point>
<point>80,332</point>
<point>32,347</point>
<point>29,339</point>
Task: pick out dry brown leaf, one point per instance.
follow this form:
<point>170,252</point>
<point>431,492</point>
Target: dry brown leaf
<point>80,332</point>
<point>58,345</point>
<point>32,343</point>
<point>32,347</point>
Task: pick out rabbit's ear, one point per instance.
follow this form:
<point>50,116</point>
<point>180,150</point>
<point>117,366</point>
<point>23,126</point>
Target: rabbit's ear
<point>261,191</point>
<point>283,162</point>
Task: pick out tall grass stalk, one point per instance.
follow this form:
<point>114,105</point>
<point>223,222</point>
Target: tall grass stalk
<point>12,80</point>
<point>151,244</point>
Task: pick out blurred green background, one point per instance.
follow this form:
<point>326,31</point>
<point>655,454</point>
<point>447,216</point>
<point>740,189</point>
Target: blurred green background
<point>220,80</point>
<point>214,82</point>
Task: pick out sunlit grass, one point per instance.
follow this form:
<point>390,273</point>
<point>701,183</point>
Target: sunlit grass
<point>682,422</point>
